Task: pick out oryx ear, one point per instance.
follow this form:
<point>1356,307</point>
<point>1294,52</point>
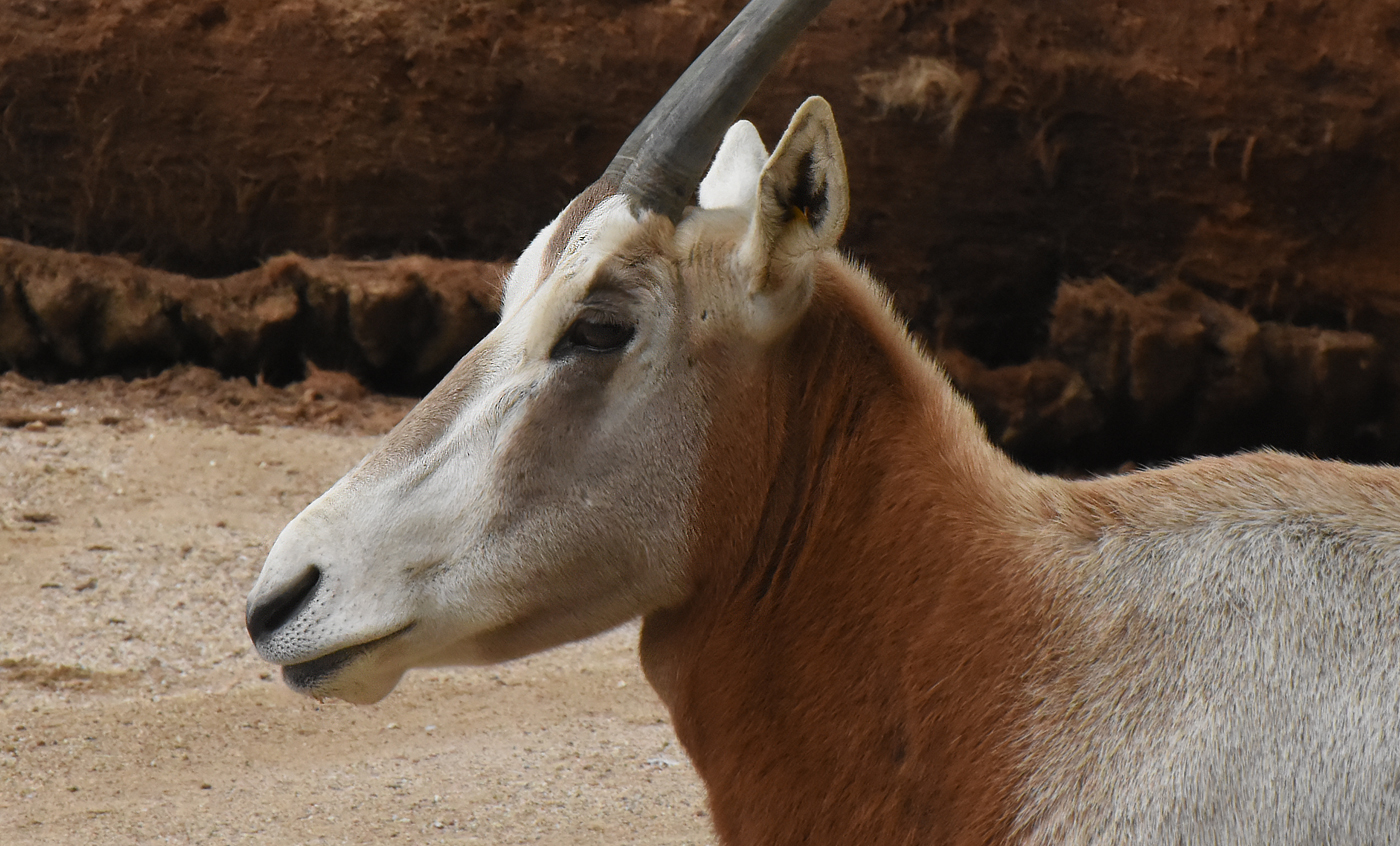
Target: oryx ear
<point>803,198</point>
<point>732,182</point>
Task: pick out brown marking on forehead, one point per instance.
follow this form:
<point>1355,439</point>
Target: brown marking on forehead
<point>577,211</point>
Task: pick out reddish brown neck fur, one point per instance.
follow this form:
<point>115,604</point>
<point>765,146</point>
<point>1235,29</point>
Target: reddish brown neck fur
<point>828,658</point>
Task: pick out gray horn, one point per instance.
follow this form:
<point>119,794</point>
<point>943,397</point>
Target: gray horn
<point>665,156</point>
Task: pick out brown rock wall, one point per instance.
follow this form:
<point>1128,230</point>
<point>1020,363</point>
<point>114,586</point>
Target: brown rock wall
<point>1226,171</point>
<point>399,324</point>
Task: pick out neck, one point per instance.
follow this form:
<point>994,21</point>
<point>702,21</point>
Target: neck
<point>847,641</point>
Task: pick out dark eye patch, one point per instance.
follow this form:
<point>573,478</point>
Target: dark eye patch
<point>594,334</point>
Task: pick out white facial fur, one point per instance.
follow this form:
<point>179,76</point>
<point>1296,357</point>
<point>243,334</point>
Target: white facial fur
<point>534,497</point>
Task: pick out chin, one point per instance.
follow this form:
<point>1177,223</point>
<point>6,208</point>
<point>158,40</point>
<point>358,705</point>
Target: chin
<point>359,683</point>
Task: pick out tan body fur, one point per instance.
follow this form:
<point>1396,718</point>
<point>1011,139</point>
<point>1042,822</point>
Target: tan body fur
<point>829,657</point>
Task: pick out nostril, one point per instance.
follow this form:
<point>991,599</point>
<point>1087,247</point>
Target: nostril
<point>274,612</point>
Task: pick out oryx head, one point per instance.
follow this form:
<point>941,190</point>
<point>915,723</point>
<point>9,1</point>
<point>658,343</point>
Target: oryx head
<point>545,490</point>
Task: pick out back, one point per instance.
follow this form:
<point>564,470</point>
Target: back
<point>1226,667</point>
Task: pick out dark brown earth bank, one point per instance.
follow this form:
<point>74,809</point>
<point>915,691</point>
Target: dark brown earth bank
<point>1132,230</point>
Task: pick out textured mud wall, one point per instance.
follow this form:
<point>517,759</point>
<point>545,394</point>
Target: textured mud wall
<point>1131,228</point>
<point>397,324</point>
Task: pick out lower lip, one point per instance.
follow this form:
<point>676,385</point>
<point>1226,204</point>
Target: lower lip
<point>310,675</point>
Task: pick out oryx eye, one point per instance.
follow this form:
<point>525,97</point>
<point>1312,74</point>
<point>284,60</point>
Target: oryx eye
<point>594,334</point>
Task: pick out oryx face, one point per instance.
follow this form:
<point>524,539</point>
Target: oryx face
<point>536,496</point>
<point>544,491</point>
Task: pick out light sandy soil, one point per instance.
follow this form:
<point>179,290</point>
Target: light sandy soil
<point>133,710</point>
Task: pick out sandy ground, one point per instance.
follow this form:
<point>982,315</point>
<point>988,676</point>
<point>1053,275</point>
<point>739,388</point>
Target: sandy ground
<point>133,518</point>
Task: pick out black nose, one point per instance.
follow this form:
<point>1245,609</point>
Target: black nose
<point>274,611</point>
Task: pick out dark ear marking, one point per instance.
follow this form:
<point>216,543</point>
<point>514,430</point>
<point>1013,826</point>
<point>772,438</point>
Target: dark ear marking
<point>808,197</point>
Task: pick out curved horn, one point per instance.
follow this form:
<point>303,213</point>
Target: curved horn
<point>664,158</point>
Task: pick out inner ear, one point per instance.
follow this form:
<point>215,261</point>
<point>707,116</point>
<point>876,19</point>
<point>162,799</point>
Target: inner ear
<point>803,196</point>
<point>809,192</point>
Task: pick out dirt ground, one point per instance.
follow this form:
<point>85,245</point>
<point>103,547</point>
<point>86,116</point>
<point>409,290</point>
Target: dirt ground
<point>133,518</point>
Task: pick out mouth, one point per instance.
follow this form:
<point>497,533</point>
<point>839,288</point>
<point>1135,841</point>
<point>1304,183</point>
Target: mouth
<point>310,676</point>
